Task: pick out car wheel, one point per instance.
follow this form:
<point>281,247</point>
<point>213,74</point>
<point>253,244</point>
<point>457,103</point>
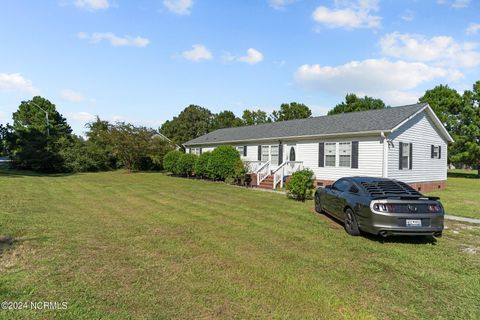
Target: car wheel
<point>351,225</point>
<point>318,205</point>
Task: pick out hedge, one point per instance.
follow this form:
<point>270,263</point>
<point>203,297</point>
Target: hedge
<point>201,165</point>
<point>222,162</point>
<point>185,164</point>
<point>170,160</point>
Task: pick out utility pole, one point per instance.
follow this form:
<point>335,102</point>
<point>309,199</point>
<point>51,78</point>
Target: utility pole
<point>46,116</point>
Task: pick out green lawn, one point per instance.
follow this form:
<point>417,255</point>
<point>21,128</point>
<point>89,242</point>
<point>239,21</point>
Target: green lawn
<point>462,195</point>
<point>132,246</point>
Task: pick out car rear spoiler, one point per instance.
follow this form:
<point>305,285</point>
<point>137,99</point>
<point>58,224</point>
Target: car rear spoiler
<point>404,197</point>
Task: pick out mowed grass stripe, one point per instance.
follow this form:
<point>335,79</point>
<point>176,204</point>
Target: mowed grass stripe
<point>151,246</point>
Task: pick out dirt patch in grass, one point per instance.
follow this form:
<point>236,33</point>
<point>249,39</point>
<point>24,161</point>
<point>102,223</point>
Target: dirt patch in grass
<point>331,222</point>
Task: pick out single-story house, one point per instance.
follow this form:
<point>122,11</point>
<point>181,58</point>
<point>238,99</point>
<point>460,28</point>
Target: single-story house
<point>407,143</point>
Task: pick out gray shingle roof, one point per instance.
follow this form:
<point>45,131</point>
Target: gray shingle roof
<point>373,120</point>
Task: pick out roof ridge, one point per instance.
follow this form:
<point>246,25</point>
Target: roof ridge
<point>322,116</point>
<point>359,121</point>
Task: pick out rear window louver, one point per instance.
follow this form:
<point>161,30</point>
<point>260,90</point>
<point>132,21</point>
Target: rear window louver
<point>389,188</point>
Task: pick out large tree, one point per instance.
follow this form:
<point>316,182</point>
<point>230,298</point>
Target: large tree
<point>447,104</point>
<point>353,104</point>
<point>35,144</point>
<point>466,148</point>
<point>191,123</point>
<point>225,119</point>
<point>133,145</point>
<point>5,136</point>
<point>254,117</point>
<point>291,111</point>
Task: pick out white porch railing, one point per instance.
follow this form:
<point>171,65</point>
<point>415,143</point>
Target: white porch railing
<point>253,165</point>
<point>263,171</point>
<point>285,169</point>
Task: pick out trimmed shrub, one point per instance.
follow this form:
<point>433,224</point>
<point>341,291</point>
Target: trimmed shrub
<point>239,174</point>
<point>201,165</point>
<point>222,162</point>
<point>300,186</point>
<point>170,160</point>
<point>185,164</point>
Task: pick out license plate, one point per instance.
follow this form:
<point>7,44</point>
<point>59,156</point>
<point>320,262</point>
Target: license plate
<point>413,223</point>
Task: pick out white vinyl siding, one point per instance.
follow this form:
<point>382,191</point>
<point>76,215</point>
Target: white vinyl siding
<point>422,133</point>
<point>370,156</point>
<point>345,154</point>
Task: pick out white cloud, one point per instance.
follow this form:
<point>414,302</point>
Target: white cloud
<point>81,116</point>
<point>473,28</point>
<point>198,52</point>
<point>253,56</point>
<point>72,96</point>
<point>393,81</point>
<point>349,14</point>
<point>181,7</point>
<point>408,15</point>
<point>460,4</point>
<point>92,4</point>
<point>116,41</point>
<point>280,4</point>
<point>10,82</point>
<point>457,4</point>
<point>440,50</point>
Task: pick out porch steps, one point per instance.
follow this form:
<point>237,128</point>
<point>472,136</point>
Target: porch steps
<point>267,183</point>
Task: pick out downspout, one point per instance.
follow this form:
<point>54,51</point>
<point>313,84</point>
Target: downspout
<point>385,155</point>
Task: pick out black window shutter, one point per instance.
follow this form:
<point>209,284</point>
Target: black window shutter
<point>400,151</point>
<point>259,153</point>
<point>280,154</point>
<point>321,154</point>
<point>244,151</point>
<point>189,150</point>
<point>439,152</point>
<point>432,152</point>
<point>201,150</point>
<point>411,158</point>
<point>355,154</point>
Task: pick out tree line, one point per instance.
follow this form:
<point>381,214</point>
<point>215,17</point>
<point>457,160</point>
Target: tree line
<point>34,145</point>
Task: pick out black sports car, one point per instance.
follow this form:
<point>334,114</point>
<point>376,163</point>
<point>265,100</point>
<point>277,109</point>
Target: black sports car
<point>380,206</point>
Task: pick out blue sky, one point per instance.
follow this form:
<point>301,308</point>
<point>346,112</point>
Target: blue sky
<point>144,61</point>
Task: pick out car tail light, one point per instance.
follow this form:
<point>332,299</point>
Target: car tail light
<point>384,207</point>
<point>434,208</point>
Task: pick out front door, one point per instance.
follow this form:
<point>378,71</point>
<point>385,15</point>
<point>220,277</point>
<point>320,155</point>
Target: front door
<point>291,152</point>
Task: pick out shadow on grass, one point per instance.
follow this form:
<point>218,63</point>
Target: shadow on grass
<point>337,224</point>
<point>467,175</point>
<point>15,173</point>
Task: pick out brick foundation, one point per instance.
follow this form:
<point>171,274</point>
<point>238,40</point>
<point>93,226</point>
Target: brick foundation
<point>426,186</point>
<point>429,186</point>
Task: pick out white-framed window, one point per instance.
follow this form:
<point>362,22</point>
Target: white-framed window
<point>274,155</point>
<point>330,154</point>
<point>345,154</point>
<point>195,150</point>
<point>265,153</point>
<point>436,152</point>
<point>241,150</point>
<point>406,155</point>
